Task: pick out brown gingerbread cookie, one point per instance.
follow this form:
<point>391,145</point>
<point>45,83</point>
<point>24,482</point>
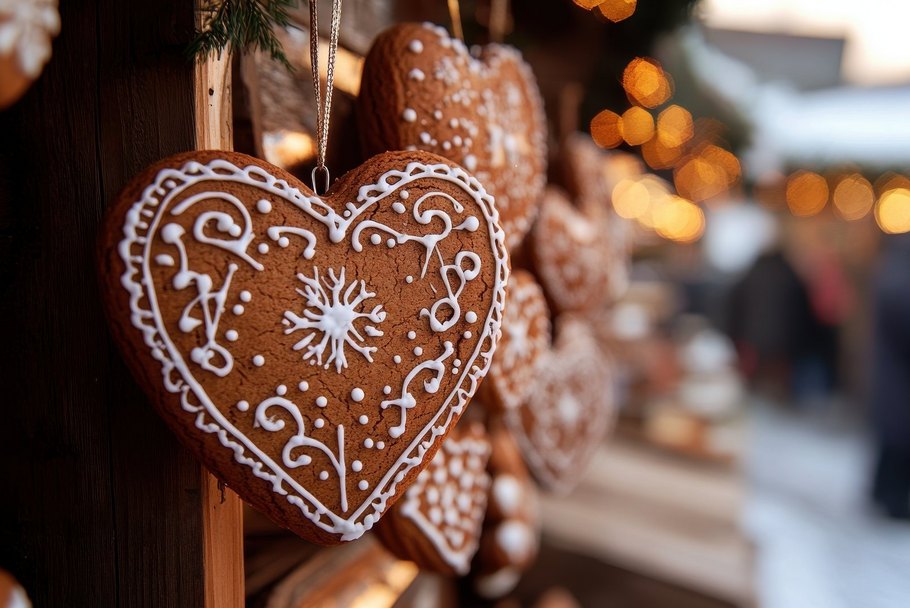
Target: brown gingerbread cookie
<point>26,30</point>
<point>12,595</point>
<point>511,529</point>
<point>313,351</point>
<point>570,250</point>
<point>437,522</point>
<point>525,339</point>
<point>569,410</point>
<point>422,89</point>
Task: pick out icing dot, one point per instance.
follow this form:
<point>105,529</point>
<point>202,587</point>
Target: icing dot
<point>397,207</point>
<point>397,358</point>
<point>243,406</point>
<point>405,194</point>
<point>437,115</point>
<point>363,484</point>
<point>304,385</point>
<point>390,243</point>
<point>375,239</point>
<point>245,296</point>
<point>367,443</point>
<point>468,335</point>
<point>323,475</point>
<point>357,394</point>
<point>363,419</point>
<point>284,241</point>
<point>412,334</point>
<point>387,389</point>
<point>258,360</point>
<point>409,115</point>
<point>319,423</point>
<point>263,247</point>
<point>470,162</point>
<point>321,401</point>
<point>415,46</point>
<point>380,445</point>
<point>231,335</point>
<point>418,351</point>
<point>356,466</point>
<point>282,390</point>
<point>263,206</point>
<point>471,317</point>
<point>456,363</point>
<point>409,279</point>
<point>164,259</point>
<point>238,309</point>
<point>416,74</point>
<point>453,122</point>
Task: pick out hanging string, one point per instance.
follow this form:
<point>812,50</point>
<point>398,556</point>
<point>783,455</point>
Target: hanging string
<point>323,106</point>
<point>455,16</point>
<point>499,19</point>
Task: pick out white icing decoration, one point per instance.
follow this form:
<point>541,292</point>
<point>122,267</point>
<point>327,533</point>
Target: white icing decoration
<point>332,311</point>
<point>231,335</point>
<point>243,405</point>
<point>356,466</point>
<point>281,390</point>
<point>263,206</point>
<point>418,350</point>
<point>363,484</point>
<point>415,46</point>
<point>363,419</point>
<point>412,334</point>
<point>230,228</point>
<point>471,317</point>
<point>319,423</point>
<point>321,401</point>
<point>417,75</point>
<point>516,539</point>
<point>26,30</point>
<point>164,259</point>
<point>507,493</point>
<point>238,309</point>
<point>496,585</point>
<point>303,386</point>
<point>357,394</point>
<point>398,207</point>
<point>258,360</point>
<point>409,115</point>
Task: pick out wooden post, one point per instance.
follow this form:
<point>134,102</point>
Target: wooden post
<point>101,506</point>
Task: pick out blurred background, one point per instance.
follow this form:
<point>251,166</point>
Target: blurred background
<point>760,154</point>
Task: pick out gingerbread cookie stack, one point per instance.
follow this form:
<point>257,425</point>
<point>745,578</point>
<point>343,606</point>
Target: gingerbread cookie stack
<point>424,90</point>
<point>437,522</point>
<point>312,351</point>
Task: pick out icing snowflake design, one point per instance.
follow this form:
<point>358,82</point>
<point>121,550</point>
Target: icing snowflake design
<point>26,29</point>
<point>332,310</point>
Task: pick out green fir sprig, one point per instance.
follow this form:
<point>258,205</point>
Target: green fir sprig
<point>243,25</point>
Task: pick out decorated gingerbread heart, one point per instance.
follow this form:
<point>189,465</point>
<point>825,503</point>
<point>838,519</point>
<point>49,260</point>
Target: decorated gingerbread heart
<point>423,90</point>
<point>571,250</point>
<point>569,410</point>
<point>437,522</point>
<point>525,340</point>
<point>26,30</point>
<point>313,351</point>
<point>511,528</point>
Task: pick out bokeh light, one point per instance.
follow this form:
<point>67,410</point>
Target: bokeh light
<point>617,10</point>
<point>631,199</point>
<point>807,193</point>
<point>706,173</point>
<point>636,126</point>
<point>678,219</point>
<point>853,197</point>
<point>588,4</point>
<point>606,129</point>
<point>658,155</point>
<point>892,213</point>
<point>674,126</point>
<point>646,83</point>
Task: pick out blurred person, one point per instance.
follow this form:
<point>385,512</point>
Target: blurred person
<point>771,322</point>
<point>890,375</point>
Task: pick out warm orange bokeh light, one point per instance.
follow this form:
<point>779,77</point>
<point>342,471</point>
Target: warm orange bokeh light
<point>893,211</point>
<point>646,83</point>
<point>678,219</point>
<point>674,127</point>
<point>709,172</point>
<point>637,126</point>
<point>658,155</point>
<point>617,10</point>
<point>288,148</point>
<point>807,193</point>
<point>606,129</point>
<point>631,199</point>
<point>853,197</point>
<point>588,4</point>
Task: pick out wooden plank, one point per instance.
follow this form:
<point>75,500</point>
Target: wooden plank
<point>222,509</point>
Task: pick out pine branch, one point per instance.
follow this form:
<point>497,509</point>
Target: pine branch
<point>243,25</point>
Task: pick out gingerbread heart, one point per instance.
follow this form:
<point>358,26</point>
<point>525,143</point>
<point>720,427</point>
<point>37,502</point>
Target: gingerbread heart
<point>569,410</point>
<point>313,351</point>
<point>571,251</point>
<point>437,522</point>
<point>26,30</point>
<point>423,90</point>
<point>525,339</point>
<point>511,527</point>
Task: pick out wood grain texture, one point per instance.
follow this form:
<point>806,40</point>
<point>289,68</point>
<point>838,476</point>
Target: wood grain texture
<point>101,505</point>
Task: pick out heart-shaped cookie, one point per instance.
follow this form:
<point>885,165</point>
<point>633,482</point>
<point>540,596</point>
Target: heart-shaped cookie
<point>511,527</point>
<point>313,351</point>
<point>423,90</point>
<point>437,522</point>
<point>571,252</point>
<point>569,409</point>
<point>525,339</point>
